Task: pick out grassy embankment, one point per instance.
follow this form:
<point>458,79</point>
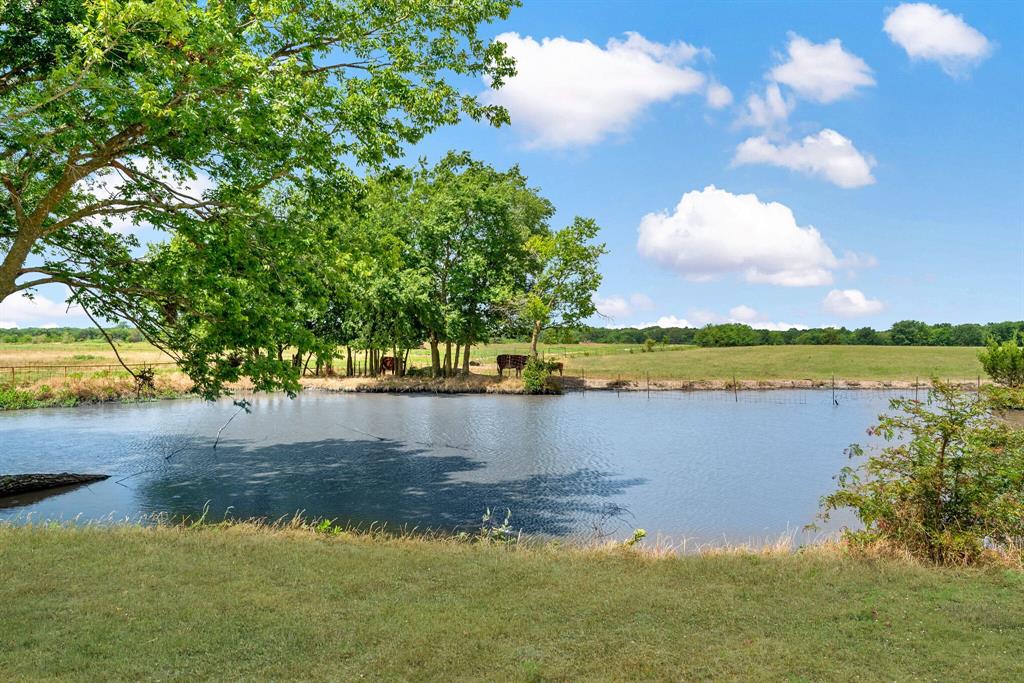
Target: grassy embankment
<point>70,379</point>
<point>242,603</point>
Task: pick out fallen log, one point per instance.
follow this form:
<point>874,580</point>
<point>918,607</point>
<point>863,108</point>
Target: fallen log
<point>12,484</point>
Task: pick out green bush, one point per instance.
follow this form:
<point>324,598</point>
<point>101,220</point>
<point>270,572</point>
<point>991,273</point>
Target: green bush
<point>537,377</point>
<point>1004,362</point>
<point>1005,398</point>
<point>949,487</point>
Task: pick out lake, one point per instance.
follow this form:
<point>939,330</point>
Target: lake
<point>700,465</point>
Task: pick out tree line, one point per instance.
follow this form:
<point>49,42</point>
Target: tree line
<point>902,333</point>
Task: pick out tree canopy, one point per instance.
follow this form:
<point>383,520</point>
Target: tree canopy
<point>212,122</point>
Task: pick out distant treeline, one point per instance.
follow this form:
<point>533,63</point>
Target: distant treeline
<point>902,333</point>
<point>29,335</point>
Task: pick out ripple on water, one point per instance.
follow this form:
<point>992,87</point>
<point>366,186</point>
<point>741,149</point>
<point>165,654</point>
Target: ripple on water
<point>699,465</point>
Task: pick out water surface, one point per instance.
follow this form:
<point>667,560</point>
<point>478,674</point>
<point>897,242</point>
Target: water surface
<point>699,465</point>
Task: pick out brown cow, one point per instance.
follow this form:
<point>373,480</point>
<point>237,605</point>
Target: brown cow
<point>389,363</point>
<point>511,361</point>
<point>557,365</point>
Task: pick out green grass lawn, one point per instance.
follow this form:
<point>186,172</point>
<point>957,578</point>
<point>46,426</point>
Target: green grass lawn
<point>787,362</point>
<point>235,604</point>
<point>758,362</point>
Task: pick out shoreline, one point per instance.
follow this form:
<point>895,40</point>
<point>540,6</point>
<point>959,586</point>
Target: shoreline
<point>104,391</point>
<point>478,384</point>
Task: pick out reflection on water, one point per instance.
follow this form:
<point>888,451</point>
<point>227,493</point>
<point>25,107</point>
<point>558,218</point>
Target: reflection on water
<point>701,466</point>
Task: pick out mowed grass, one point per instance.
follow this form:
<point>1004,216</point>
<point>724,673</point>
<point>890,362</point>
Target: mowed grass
<point>626,360</point>
<point>234,604</point>
<point>756,362</point>
<point>787,362</point>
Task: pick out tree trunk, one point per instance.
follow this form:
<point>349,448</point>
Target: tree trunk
<point>14,260</point>
<point>533,339</point>
<point>465,359</point>
<point>448,359</point>
<point>458,355</point>
<point>405,361</point>
<point>435,357</point>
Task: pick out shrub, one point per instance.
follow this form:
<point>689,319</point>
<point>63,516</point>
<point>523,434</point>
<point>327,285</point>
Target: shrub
<point>1004,362</point>
<point>1005,398</point>
<point>950,486</point>
<point>537,377</point>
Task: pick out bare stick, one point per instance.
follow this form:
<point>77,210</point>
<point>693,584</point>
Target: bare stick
<point>109,341</point>
<point>242,405</point>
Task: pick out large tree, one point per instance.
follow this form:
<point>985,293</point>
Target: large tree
<point>470,225</point>
<point>189,117</point>
<point>562,285</point>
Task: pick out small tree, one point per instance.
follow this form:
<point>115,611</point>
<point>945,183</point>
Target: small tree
<point>950,486</point>
<point>1004,362</point>
<point>561,289</point>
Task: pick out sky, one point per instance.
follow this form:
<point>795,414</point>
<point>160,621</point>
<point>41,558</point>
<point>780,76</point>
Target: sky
<point>779,164</point>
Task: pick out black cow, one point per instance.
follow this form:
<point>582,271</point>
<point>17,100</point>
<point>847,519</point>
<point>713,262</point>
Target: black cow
<point>511,361</point>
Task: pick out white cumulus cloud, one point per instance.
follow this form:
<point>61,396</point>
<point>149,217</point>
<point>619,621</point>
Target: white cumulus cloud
<point>19,310</point>
<point>620,307</point>
<point>742,313</point>
<point>713,232</point>
<point>777,327</point>
<point>667,321</point>
<point>821,72</point>
<point>769,111</point>
<point>851,303</point>
<point>827,154</point>
<point>748,316</point>
<point>932,33</point>
<point>570,93</point>
<point>718,96</point>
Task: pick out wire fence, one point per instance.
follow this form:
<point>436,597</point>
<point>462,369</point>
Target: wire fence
<point>834,390</point>
<point>21,375</point>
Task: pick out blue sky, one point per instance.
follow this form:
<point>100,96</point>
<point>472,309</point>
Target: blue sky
<point>886,182</point>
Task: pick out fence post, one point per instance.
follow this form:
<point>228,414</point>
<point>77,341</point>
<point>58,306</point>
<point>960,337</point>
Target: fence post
<point>735,389</point>
<point>648,385</point>
<point>834,391</point>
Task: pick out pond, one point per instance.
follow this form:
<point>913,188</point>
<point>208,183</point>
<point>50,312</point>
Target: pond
<point>704,466</point>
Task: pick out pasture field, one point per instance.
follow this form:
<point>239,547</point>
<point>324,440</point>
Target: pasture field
<point>879,363</point>
<point>609,361</point>
<point>240,603</point>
